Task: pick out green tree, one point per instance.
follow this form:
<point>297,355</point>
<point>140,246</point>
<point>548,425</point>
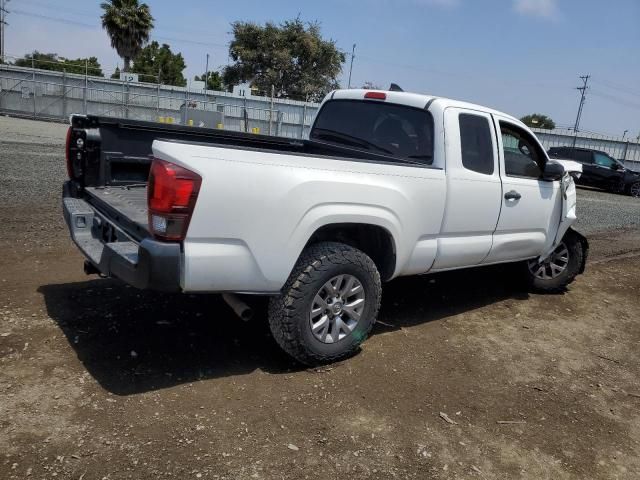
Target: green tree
<point>538,120</point>
<point>292,56</point>
<point>154,59</point>
<point>52,62</point>
<point>214,82</point>
<point>128,25</point>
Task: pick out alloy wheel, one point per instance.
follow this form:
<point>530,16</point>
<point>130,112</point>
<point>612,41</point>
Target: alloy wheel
<point>553,266</point>
<point>336,308</point>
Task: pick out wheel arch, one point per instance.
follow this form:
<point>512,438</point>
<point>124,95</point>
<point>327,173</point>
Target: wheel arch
<point>374,240</point>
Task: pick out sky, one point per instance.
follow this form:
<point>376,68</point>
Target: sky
<point>517,56</point>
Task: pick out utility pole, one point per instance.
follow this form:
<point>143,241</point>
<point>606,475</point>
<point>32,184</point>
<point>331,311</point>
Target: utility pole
<point>583,91</point>
<point>353,55</point>
<point>206,83</point>
<point>206,74</point>
<point>3,23</point>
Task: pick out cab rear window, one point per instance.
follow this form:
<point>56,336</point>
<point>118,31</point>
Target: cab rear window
<point>380,127</point>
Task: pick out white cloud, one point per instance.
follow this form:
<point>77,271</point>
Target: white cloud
<point>537,8</point>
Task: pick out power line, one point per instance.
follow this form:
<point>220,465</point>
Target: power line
<point>95,26</point>
<point>55,19</point>
<point>614,99</point>
<point>619,88</point>
<point>86,14</point>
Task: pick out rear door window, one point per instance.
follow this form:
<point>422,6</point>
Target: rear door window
<point>583,156</point>
<point>475,143</point>
<point>380,127</point>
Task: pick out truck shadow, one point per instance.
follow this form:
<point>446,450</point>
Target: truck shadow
<point>132,341</point>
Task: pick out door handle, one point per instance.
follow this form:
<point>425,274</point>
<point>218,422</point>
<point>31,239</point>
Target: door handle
<point>512,195</point>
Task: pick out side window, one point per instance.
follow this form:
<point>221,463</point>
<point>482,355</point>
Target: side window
<point>521,156</point>
<point>583,156</point>
<point>603,160</point>
<point>475,142</point>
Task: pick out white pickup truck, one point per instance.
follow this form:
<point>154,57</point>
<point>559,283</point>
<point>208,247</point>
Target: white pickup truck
<point>388,184</point>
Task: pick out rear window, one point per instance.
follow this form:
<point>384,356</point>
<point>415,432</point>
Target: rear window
<point>395,130</point>
<point>583,156</point>
<point>475,142</point>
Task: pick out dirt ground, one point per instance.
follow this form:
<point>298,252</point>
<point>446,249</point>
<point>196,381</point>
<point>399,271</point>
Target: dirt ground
<point>465,376</point>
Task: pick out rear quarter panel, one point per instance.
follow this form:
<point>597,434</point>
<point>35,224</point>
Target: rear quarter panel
<point>257,209</point>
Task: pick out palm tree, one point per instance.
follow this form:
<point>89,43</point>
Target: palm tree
<point>128,25</point>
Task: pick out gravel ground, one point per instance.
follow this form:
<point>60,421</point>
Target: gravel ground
<point>32,132</point>
<point>602,211</point>
<point>465,376</point>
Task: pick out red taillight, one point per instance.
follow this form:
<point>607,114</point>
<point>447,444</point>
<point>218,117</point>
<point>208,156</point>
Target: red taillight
<point>172,194</point>
<point>376,95</point>
<point>67,149</point>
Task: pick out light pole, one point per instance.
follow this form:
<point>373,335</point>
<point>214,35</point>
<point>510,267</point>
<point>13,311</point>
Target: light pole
<point>353,54</point>
<point>206,74</point>
<point>206,83</point>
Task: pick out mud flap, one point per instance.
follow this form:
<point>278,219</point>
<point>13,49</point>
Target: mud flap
<point>585,248</point>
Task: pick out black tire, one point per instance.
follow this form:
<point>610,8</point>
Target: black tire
<point>289,312</point>
<point>576,253</point>
<point>634,189</point>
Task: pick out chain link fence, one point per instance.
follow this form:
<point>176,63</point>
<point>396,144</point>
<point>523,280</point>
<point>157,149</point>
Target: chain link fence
<point>56,95</point>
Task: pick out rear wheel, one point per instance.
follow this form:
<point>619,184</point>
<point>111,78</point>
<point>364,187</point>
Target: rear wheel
<point>328,305</point>
<point>560,269</point>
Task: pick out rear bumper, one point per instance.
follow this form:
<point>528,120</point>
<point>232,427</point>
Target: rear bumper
<point>148,265</point>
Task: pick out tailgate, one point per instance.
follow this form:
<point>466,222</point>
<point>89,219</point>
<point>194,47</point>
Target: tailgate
<point>126,206</point>
<point>145,263</point>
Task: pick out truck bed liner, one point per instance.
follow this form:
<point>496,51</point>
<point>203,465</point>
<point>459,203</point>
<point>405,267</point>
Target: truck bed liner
<point>127,205</point>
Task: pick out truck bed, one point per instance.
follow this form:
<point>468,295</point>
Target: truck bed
<point>126,205</point>
<point>111,160</point>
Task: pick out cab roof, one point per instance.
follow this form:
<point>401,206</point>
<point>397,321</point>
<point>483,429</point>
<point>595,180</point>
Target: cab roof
<point>416,100</point>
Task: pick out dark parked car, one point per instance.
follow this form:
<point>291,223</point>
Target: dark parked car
<point>601,170</point>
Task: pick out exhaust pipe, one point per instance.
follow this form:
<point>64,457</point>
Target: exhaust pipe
<point>244,311</point>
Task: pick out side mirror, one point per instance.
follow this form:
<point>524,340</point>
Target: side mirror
<point>552,171</point>
<point>615,166</point>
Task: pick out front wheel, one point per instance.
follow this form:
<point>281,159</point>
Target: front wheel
<point>328,305</point>
<point>634,190</point>
<point>560,269</point>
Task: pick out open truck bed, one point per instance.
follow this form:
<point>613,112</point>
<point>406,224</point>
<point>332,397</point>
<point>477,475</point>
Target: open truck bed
<point>110,160</point>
